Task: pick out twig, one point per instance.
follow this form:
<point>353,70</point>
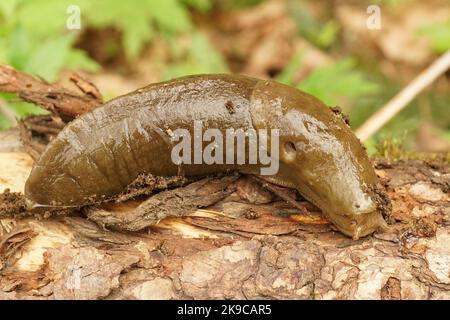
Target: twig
<point>283,195</point>
<point>58,100</point>
<point>86,86</point>
<point>399,101</point>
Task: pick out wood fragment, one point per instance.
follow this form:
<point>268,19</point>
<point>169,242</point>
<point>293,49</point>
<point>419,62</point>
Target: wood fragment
<point>54,98</point>
<point>178,202</point>
<point>11,243</point>
<point>283,193</point>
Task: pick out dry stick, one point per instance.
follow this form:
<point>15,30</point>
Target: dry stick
<point>52,97</point>
<point>282,195</point>
<point>399,101</point>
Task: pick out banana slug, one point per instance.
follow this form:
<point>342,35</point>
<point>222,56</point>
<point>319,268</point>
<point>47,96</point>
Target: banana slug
<point>98,154</point>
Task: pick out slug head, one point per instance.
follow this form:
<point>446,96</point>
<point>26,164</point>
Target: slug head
<point>321,157</point>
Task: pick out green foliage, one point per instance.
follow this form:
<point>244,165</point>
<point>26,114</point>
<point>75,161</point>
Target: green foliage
<point>341,79</point>
<point>140,20</point>
<point>200,57</point>
<point>391,3</point>
<point>27,48</point>
<point>444,134</point>
<point>392,148</point>
<point>323,35</point>
<point>332,82</point>
<point>202,5</point>
<point>136,19</point>
<point>33,43</point>
<point>439,36</point>
<point>54,52</point>
<point>34,37</point>
<point>20,109</point>
<point>238,4</point>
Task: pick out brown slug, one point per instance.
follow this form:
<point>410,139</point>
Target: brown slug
<point>97,155</point>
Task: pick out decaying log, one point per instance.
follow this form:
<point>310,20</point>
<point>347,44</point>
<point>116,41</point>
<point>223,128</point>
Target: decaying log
<point>249,244</point>
<point>229,237</point>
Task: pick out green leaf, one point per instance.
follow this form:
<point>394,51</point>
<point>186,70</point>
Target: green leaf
<point>439,36</point>
<point>338,80</point>
<point>315,31</point>
<point>170,15</point>
<point>444,134</point>
<point>7,8</point>
<point>48,59</point>
<point>78,59</point>
<point>238,4</point>
<point>20,109</point>
<point>39,45</point>
<point>202,5</point>
<point>23,109</point>
<point>202,57</point>
<point>327,34</point>
<point>206,55</point>
<point>137,20</point>
<point>43,18</point>
<point>18,50</point>
<point>136,32</point>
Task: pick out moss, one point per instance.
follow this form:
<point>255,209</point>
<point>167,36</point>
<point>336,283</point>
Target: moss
<point>393,149</point>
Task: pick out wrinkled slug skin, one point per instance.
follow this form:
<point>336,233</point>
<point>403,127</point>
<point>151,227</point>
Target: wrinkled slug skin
<point>97,155</point>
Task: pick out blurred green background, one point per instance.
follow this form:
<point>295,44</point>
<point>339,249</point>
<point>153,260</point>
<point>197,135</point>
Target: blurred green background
<point>322,47</point>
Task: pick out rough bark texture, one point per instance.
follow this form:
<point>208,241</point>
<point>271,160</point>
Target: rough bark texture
<point>56,99</point>
<point>250,244</point>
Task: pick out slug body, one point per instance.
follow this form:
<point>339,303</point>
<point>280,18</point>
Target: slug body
<point>97,155</point>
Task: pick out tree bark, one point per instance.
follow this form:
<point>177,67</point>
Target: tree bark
<point>248,245</point>
<point>52,97</point>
